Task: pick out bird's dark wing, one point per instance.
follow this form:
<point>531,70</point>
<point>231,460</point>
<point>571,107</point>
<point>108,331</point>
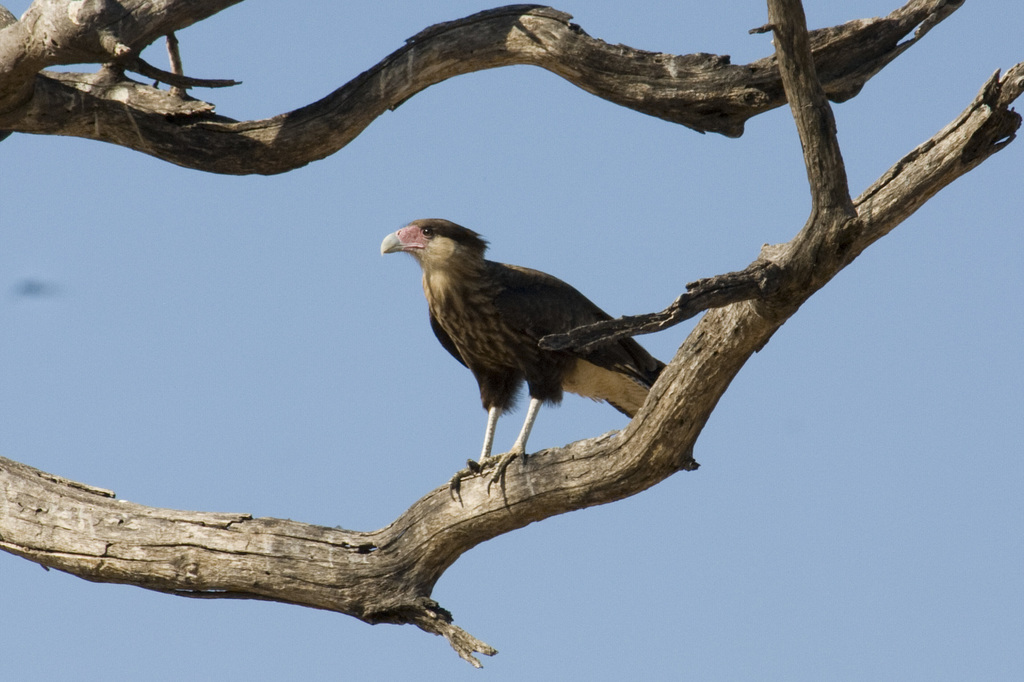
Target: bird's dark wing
<point>445,340</point>
<point>539,304</point>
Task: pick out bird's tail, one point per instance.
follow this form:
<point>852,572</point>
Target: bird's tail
<point>622,391</point>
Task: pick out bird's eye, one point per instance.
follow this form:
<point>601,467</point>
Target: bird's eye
<point>428,232</point>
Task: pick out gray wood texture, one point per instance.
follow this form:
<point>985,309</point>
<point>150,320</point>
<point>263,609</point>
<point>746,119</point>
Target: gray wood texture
<point>387,575</point>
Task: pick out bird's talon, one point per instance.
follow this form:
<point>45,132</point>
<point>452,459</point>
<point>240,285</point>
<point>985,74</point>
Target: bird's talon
<point>455,487</point>
<point>501,463</point>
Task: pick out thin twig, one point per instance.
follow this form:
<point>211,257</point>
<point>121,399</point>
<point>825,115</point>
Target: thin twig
<point>140,66</point>
<point>174,56</point>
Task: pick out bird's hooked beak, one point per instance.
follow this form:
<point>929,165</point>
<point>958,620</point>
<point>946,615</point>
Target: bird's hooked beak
<point>409,239</point>
<point>391,244</point>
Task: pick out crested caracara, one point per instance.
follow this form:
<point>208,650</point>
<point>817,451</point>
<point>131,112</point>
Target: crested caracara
<point>491,316</point>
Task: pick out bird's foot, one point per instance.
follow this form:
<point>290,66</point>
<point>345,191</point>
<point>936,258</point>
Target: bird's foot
<point>455,483</point>
<point>497,462</point>
<point>500,464</point>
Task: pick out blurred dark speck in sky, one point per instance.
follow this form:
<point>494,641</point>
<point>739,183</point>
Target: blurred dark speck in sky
<point>31,287</point>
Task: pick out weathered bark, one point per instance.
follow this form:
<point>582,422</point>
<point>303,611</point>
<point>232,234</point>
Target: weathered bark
<point>388,575</point>
<point>704,92</point>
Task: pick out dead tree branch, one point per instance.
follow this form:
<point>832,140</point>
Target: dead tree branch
<point>388,575</point>
<point>174,79</point>
<point>842,227</point>
<point>174,57</point>
<point>757,281</point>
<point>700,91</point>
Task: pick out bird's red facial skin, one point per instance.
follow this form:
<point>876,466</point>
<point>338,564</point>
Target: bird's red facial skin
<point>412,238</point>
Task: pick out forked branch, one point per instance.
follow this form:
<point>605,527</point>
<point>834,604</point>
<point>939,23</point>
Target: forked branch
<point>838,229</point>
<point>388,575</point>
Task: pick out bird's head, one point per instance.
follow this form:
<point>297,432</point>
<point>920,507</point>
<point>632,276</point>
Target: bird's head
<point>435,242</point>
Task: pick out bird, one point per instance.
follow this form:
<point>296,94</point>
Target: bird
<point>491,317</point>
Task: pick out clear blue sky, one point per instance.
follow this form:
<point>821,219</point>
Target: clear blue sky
<point>239,345</point>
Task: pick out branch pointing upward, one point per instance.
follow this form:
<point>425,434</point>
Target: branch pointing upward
<point>811,111</point>
<point>388,575</point>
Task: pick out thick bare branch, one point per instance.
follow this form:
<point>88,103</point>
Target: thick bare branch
<point>388,575</point>
<point>703,92</point>
<point>984,128</point>
<point>810,108</point>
